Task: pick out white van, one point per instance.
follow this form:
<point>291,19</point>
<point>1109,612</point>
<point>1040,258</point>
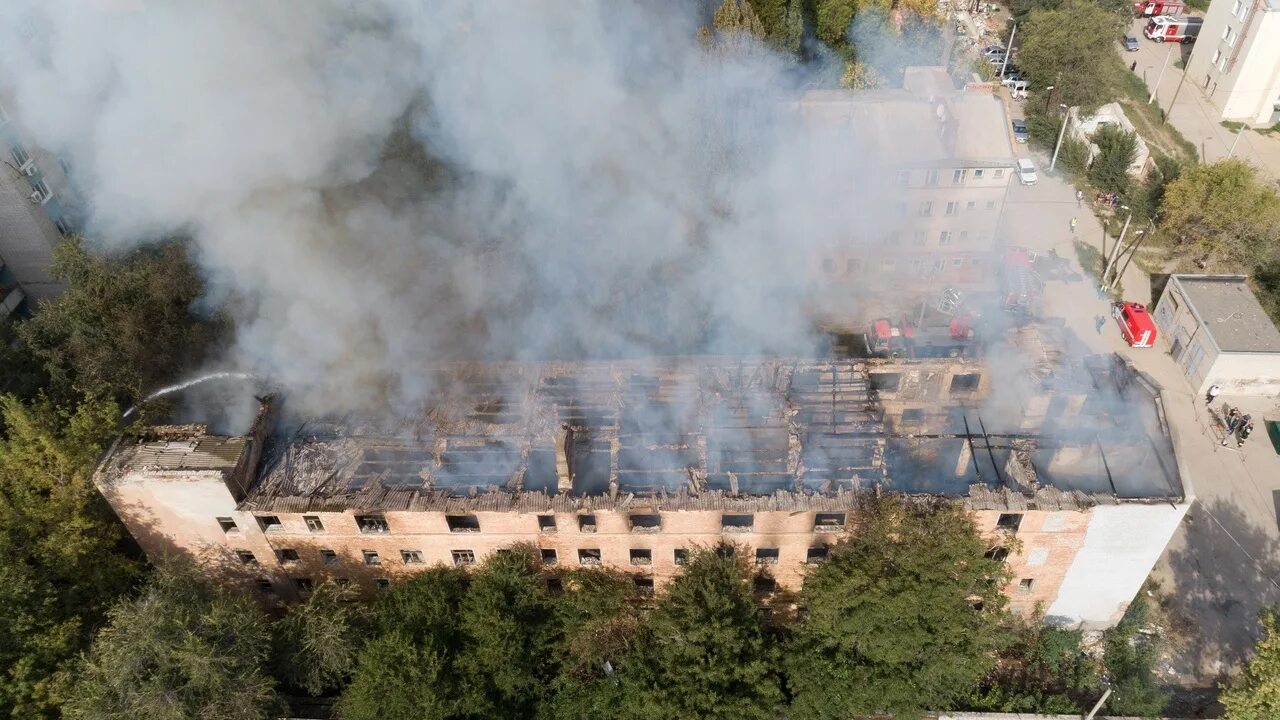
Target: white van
<point>1026,172</point>
<point>1018,90</point>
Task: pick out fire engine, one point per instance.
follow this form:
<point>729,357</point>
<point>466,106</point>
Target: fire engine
<point>1167,29</point>
<point>1154,8</point>
<point>886,338</point>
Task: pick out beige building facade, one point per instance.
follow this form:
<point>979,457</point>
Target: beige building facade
<point>1236,60</point>
<point>632,465</point>
<point>1219,334</point>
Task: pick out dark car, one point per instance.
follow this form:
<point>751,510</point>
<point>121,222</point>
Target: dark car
<point>1020,131</point>
<point>1130,43</point>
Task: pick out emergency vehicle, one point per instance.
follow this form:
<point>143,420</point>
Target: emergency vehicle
<point>1179,30</point>
<point>1136,325</point>
<point>1154,8</point>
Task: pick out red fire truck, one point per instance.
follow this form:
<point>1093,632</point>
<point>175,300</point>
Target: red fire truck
<point>1153,8</point>
<point>956,338</point>
<point>1180,30</point>
<point>1136,325</point>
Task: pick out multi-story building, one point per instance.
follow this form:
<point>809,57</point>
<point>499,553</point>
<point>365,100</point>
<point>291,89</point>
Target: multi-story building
<point>940,162</point>
<point>631,464</point>
<point>34,216</point>
<point>1236,60</point>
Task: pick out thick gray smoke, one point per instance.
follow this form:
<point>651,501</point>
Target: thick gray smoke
<point>372,186</point>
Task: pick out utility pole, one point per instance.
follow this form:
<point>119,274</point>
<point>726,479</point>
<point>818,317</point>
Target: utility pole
<point>1115,251</point>
<point>1164,117</point>
<point>1156,87</point>
<point>1232,151</point>
<point>1008,50</point>
<point>1142,235</point>
<point>1065,119</point>
<point>1098,706</point>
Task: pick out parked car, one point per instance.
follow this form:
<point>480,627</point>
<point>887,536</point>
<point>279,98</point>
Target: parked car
<point>1026,172</point>
<point>1018,90</point>
<point>1012,78</point>
<point>996,60</point>
<point>993,50</point>
<point>1130,43</point>
<point>1012,70</point>
<point>1020,131</point>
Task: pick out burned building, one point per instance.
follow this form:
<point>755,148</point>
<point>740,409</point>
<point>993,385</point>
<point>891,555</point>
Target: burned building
<point>630,464</point>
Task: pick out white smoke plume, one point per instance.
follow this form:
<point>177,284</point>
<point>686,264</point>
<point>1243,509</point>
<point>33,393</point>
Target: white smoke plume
<point>372,186</point>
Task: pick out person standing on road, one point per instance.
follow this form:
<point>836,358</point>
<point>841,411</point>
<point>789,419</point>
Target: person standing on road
<point>1244,433</point>
<point>1211,394</point>
<point>1233,420</point>
<point>1079,198</point>
<point>1073,225</point>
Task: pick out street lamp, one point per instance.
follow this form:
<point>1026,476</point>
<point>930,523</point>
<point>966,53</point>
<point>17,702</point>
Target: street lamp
<point>1048,97</point>
<point>1115,251</point>
<point>1065,119</point>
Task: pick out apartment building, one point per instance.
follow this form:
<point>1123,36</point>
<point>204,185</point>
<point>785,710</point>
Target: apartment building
<point>630,465</point>
<point>1236,60</point>
<point>35,213</point>
<point>941,162</point>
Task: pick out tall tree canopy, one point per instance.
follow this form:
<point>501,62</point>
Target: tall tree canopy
<point>1069,47</point>
<point>904,616</point>
<point>1255,694</point>
<point>1222,213</point>
<point>703,653</point>
<point>316,643</point>
<point>123,325</point>
<point>61,560</point>
<point>184,648</point>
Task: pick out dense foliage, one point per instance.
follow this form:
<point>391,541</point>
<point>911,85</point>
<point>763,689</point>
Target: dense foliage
<point>1255,694</point>
<point>1068,47</point>
<point>1222,213</point>
<point>1129,657</point>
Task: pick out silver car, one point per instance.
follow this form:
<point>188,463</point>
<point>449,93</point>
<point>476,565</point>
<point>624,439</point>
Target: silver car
<point>1026,172</point>
<point>1020,131</point>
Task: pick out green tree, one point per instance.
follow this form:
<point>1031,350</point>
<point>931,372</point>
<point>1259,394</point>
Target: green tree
<point>1129,657</point>
<point>1067,47</point>
<point>122,325</point>
<point>315,645</point>
<point>599,617</point>
<point>833,18</point>
<point>183,648</point>
<point>1255,694</point>
<point>1042,671</point>
<point>1117,149</point>
<point>738,17</point>
<point>507,620</point>
<point>1222,213</point>
<point>408,668</point>
<point>905,615</point>
<point>61,560</point>
<point>703,653</point>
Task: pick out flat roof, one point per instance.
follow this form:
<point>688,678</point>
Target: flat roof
<point>1230,313</point>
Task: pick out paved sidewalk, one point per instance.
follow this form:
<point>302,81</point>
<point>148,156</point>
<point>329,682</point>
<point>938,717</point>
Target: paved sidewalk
<point>1193,115</point>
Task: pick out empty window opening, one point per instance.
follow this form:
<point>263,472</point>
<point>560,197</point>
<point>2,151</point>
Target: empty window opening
<point>644,584</point>
<point>828,522</point>
<point>342,582</point>
<point>1025,585</point>
<point>765,584</point>
<point>725,551</point>
<point>313,523</point>
<point>997,553</point>
<point>913,415</point>
<point>463,523</point>
<point>967,382</point>
<point>589,556</point>
<point>411,557</point>
<point>766,556</point>
<point>246,557</point>
<point>371,558</point>
<point>463,557</point>
<point>549,556</point>
<point>1009,521</point>
<point>641,557</point>
<point>329,557</point>
<point>555,586</point>
<point>885,382</point>
<point>228,525</point>
<point>288,555</point>
<point>816,554</point>
<point>737,523</point>
<point>302,585</point>
<point>375,524</point>
<point>382,583</point>
<point>646,523</point>
<point>270,523</point>
<point>587,523</point>
<point>547,523</point>
<point>265,587</point>
<point>680,556</point>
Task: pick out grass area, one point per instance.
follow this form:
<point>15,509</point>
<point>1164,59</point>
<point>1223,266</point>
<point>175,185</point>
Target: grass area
<point>1148,120</point>
<point>1090,258</point>
<point>1232,125</point>
<point>1201,5</point>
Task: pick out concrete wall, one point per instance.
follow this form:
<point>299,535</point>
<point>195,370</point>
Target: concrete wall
<point>1199,359</point>
<point>1120,547</point>
<point>1242,79</point>
<point>1245,374</point>
<point>29,228</point>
